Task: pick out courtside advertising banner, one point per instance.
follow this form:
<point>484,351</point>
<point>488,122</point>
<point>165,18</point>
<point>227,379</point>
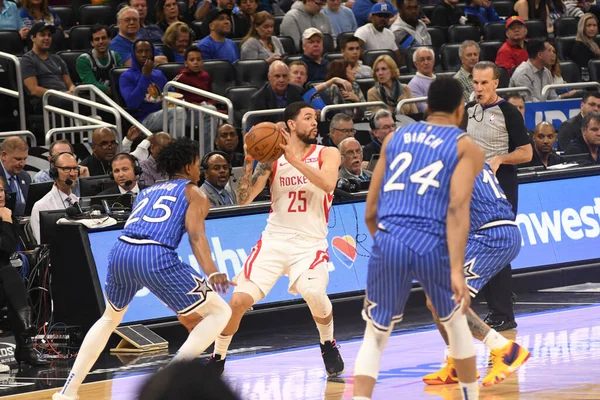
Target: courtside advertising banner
<point>556,112</point>
<point>559,222</point>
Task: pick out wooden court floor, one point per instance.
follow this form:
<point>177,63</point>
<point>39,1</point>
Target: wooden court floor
<point>565,365</point>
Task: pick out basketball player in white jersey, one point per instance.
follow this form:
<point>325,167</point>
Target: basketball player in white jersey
<point>294,243</point>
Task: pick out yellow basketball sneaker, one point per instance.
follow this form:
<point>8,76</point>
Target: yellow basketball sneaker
<point>505,361</point>
<point>445,376</point>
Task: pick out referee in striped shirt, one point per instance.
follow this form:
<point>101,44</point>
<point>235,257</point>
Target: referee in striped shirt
<point>498,127</point>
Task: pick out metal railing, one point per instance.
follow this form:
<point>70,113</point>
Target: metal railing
<point>61,133</point>
<point>94,91</point>
<point>364,104</point>
<point>24,133</point>
<point>19,94</point>
<point>409,101</point>
<point>76,119</point>
<point>259,113</point>
<point>507,90</point>
<point>578,85</point>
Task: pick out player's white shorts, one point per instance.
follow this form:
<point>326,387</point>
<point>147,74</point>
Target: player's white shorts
<point>276,255</point>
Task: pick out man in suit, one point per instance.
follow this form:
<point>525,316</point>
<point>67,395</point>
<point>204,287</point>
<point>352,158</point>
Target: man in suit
<point>217,171</point>
<point>13,158</point>
<point>125,170</point>
<point>277,93</point>
<point>352,161</point>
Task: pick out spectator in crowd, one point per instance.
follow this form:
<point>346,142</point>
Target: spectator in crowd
<point>94,66</point>
<point>556,10</point>
<point>341,17</point>
<point>543,139</point>
<point>204,7</point>
<point>42,71</point>
<point>589,141</point>
<point>352,161</point>
<point>340,128</point>
<point>142,89</point>
<point>248,10</point>
<point>557,78</point>
<point>376,35</point>
<point>167,13</point>
<point>125,170</point>
<point>570,130</point>
<point>12,161</point>
<point>535,73</point>
<point>298,73</point>
<point>517,100</point>
<point>408,29</point>
<point>480,12</point>
<point>513,52</point>
<point>424,60</point>
<point>305,14</point>
<point>227,141</point>
<point>505,143</point>
<point>312,45</point>
<point>585,47</point>
<point>447,14</point>
<point>388,87</point>
<point>350,47</point>
<point>468,52</point>
<point>383,123</point>
<point>151,32</point>
<point>362,10</point>
<point>150,173</point>
<point>216,45</point>
<point>532,10</point>
<point>128,21</point>
<point>338,94</point>
<point>176,40</point>
<point>188,380</point>
<point>217,171</point>
<point>240,24</point>
<point>61,195</point>
<point>259,43</point>
<point>34,11</point>
<point>276,93</point>
<point>104,148</point>
<point>57,147</point>
<point>10,19</point>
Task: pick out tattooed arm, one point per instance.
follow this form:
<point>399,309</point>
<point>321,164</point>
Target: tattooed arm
<point>251,185</point>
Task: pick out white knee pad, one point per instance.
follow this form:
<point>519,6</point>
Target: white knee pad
<point>312,286</point>
<point>369,355</point>
<point>459,336</point>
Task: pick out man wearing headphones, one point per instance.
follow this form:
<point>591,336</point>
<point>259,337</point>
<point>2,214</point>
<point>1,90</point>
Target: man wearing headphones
<point>125,171</point>
<point>217,170</point>
<point>65,173</point>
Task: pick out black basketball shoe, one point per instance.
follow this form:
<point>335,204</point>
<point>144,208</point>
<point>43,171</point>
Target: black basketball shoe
<point>215,364</point>
<point>334,365</point>
<point>499,323</point>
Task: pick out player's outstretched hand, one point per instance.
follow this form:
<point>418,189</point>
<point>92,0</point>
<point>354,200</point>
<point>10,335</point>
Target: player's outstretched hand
<point>461,291</point>
<point>220,282</point>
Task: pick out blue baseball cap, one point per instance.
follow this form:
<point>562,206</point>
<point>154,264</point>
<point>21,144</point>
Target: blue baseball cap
<point>381,8</point>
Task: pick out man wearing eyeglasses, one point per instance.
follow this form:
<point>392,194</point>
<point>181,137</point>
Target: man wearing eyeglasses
<point>104,148</point>
<point>341,127</point>
<point>352,161</point>
<point>383,124</point>
<point>61,196</point>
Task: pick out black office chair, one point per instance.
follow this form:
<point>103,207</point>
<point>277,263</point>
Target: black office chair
<point>90,14</point>
<point>278,21</point>
<point>79,37</point>
<point>197,28</point>
<point>438,37</point>
<point>11,42</point>
<point>66,15</point>
<point>365,84</point>
<point>495,31</point>
<point>564,45</point>
<point>70,58</point>
<point>594,69</point>
<point>251,72</point>
<point>240,98</point>
<point>328,43</point>
<point>536,28</point>
<point>570,71</point>
<point>370,56</point>
<point>450,59</point>
<point>288,45</point>
<point>115,75</point>
<point>566,26</point>
<point>222,74</point>
<point>333,56</point>
<point>504,8</point>
<point>489,50</point>
<point>460,33</point>
<point>289,59</point>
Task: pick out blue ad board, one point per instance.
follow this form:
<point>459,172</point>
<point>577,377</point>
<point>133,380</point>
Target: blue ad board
<point>556,112</point>
<point>559,222</point>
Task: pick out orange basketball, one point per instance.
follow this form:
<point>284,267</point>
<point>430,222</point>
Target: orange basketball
<point>262,142</point>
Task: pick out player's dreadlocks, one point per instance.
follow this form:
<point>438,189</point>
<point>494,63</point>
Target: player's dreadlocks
<point>176,155</point>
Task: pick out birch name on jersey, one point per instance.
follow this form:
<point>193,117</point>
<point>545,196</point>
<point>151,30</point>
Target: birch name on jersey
<point>423,138</point>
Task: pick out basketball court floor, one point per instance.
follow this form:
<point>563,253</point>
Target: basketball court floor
<point>561,329</point>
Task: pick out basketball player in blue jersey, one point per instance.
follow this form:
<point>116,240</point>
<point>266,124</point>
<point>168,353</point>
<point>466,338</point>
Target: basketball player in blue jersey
<point>146,256</point>
<point>418,213</point>
<point>494,241</point>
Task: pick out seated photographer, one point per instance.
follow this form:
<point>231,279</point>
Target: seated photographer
<point>12,290</point>
<point>352,161</point>
<point>125,170</point>
<point>65,173</point>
